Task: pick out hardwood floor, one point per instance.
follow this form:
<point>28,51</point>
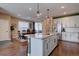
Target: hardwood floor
<point>66,49</point>
<point>15,49</point>
<point>19,49</point>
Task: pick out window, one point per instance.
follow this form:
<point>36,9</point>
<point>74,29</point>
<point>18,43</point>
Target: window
<point>23,26</point>
<point>38,27</point>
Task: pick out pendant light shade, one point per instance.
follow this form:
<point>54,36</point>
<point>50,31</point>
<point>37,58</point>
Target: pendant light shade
<point>38,12</point>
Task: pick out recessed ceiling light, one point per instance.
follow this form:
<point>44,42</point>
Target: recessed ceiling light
<point>62,7</point>
<point>40,13</point>
<point>30,9</point>
<point>64,12</point>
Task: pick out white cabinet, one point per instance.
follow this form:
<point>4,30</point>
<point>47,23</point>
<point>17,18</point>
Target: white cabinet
<point>63,36</point>
<point>74,37</point>
<point>49,44</point>
<point>45,47</point>
<point>42,46</point>
<point>70,36</point>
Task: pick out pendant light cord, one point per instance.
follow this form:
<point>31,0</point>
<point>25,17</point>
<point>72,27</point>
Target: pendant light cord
<point>48,13</point>
<point>38,8</point>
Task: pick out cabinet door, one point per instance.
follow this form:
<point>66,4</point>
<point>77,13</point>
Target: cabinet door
<point>63,36</point>
<point>74,37</point>
<point>49,45</point>
<point>52,43</point>
<point>56,40</point>
<point>45,47</point>
<point>68,36</point>
<point>55,43</point>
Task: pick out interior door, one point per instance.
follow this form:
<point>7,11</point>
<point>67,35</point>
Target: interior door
<point>4,30</point>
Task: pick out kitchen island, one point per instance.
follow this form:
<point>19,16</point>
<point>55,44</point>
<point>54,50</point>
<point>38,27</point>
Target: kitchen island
<point>41,45</point>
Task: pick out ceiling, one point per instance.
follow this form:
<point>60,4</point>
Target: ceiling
<point>21,10</point>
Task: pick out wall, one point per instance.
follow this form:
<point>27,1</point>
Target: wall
<point>14,22</point>
<point>6,29</point>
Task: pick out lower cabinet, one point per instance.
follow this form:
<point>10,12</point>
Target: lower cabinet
<point>74,37</point>
<point>42,46</point>
<point>49,44</point>
<point>70,36</point>
<point>45,47</point>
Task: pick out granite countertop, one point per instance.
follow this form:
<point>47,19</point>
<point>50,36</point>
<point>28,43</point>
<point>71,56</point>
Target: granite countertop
<point>39,35</point>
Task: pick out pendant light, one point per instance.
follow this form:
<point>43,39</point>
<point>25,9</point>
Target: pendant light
<point>38,12</point>
<point>48,13</point>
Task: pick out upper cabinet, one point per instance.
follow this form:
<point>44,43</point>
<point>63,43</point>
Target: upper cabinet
<point>70,24</point>
<point>71,27</point>
<point>72,21</point>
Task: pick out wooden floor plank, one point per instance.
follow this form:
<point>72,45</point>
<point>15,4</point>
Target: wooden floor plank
<point>19,49</point>
<point>66,49</point>
<point>14,49</point>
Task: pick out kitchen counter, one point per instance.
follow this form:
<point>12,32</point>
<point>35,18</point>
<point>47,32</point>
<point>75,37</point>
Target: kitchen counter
<point>41,45</point>
<point>40,35</point>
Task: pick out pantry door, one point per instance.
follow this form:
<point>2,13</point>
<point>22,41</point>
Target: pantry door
<point>4,30</point>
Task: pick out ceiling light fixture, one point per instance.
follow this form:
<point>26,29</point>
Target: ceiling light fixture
<point>30,9</point>
<point>40,13</point>
<point>62,7</point>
